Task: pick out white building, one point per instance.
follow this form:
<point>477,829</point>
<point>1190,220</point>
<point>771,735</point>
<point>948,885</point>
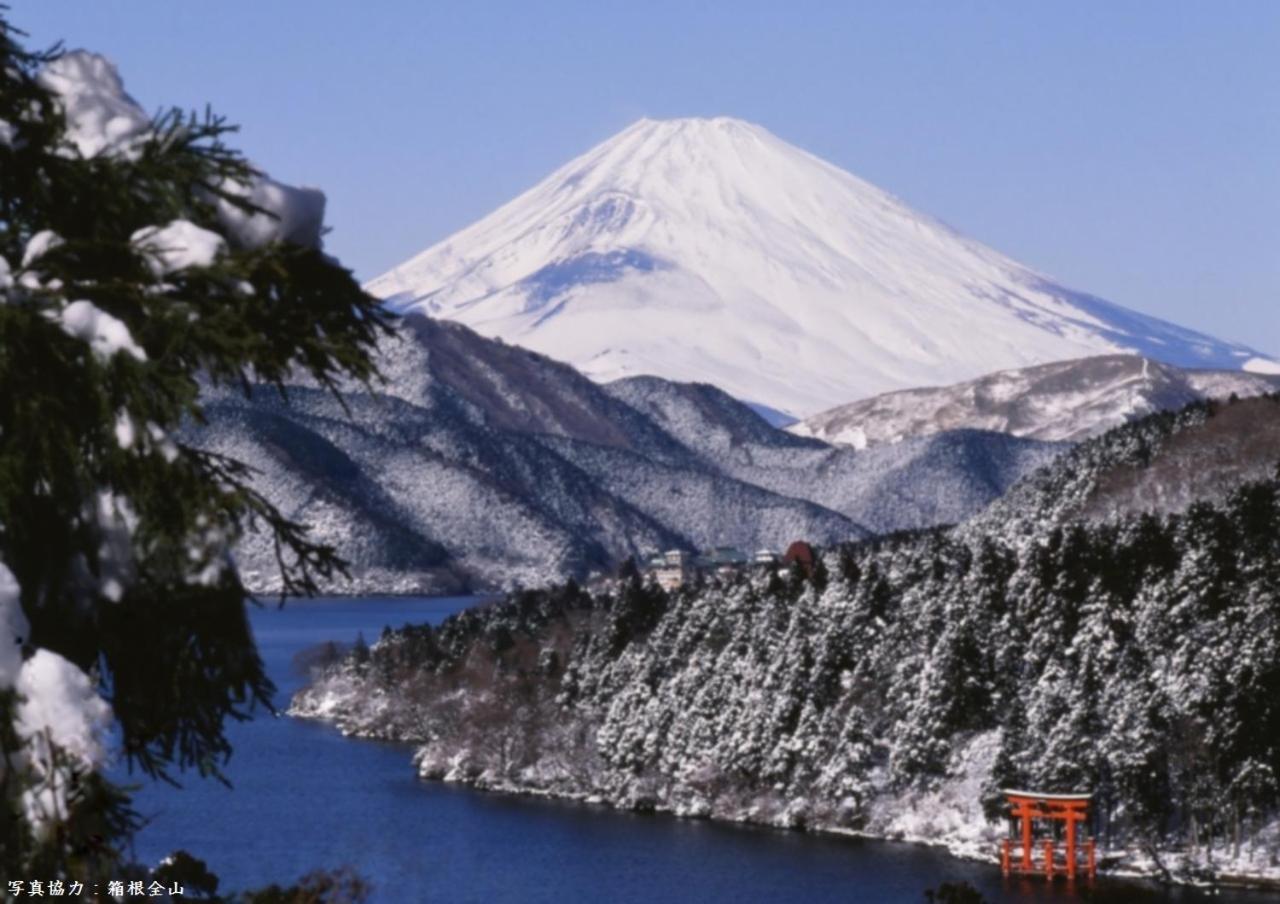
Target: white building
<point>671,569</point>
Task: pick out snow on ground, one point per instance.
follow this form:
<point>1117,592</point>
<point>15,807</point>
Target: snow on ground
<point>949,814</point>
<point>1262,366</point>
<point>1253,864</point>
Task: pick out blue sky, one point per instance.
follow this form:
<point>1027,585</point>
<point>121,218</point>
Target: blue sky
<point>1129,149</point>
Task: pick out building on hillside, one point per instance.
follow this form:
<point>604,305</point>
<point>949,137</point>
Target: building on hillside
<point>671,568</point>
<point>799,553</point>
<point>723,561</point>
<point>675,567</point>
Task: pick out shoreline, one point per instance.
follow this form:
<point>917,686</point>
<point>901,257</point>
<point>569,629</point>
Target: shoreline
<point>272,597</point>
<point>959,849</point>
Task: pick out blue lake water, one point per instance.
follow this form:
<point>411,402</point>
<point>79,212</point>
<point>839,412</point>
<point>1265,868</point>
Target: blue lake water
<point>304,797</point>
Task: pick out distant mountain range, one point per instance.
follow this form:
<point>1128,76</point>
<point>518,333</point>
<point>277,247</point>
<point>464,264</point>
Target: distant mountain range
<point>711,251</point>
<point>480,465</point>
<point>1066,401</point>
<point>920,482</point>
<point>597,369</point>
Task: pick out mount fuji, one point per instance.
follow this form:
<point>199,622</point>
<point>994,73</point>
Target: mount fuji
<point>709,250</point>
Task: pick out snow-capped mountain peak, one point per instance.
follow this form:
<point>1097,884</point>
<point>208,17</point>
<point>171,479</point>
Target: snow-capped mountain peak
<point>710,250</point>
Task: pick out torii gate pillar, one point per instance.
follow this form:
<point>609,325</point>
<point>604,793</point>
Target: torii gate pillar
<point>1031,807</point>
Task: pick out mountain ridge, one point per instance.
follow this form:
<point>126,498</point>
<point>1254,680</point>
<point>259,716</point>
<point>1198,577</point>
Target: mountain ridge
<point>480,465</point>
<point>1063,401</point>
<point>712,251</point>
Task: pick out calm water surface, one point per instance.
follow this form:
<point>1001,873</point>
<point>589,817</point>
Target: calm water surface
<point>305,797</point>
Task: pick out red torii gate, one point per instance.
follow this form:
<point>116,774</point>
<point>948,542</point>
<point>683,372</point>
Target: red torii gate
<point>1030,807</point>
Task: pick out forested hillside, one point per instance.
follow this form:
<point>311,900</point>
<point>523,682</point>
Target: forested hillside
<point>900,685</point>
<point>479,465</point>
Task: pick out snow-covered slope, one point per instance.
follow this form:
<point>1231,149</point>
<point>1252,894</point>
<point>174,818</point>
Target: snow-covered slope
<point>469,469</point>
<point>1161,464</point>
<point>480,464</point>
<point>921,482</point>
<point>1083,632</point>
<point>712,251</point>
<point>1063,401</point>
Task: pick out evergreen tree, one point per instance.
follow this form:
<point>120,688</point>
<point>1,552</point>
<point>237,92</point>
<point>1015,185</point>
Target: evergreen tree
<point>629,571</point>
<point>820,576</point>
<point>360,650</point>
<point>143,264</point>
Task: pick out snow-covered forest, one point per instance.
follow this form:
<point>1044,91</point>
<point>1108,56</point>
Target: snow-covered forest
<point>1075,636</point>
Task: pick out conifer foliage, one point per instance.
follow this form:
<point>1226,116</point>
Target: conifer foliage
<point>141,260</point>
<point>1135,656</point>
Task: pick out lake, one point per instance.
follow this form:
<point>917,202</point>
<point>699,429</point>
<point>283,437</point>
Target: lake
<point>305,797</point>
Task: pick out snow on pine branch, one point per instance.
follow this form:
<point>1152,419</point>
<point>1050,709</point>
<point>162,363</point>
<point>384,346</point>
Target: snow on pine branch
<point>60,720</point>
<point>291,214</point>
<point>38,246</point>
<point>105,334</point>
<point>177,246</point>
<point>101,117</point>
<point>103,120</point>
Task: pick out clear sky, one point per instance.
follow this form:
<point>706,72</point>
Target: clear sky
<point>1129,149</point>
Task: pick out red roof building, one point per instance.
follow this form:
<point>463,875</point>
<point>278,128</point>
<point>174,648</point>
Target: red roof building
<point>800,553</point>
